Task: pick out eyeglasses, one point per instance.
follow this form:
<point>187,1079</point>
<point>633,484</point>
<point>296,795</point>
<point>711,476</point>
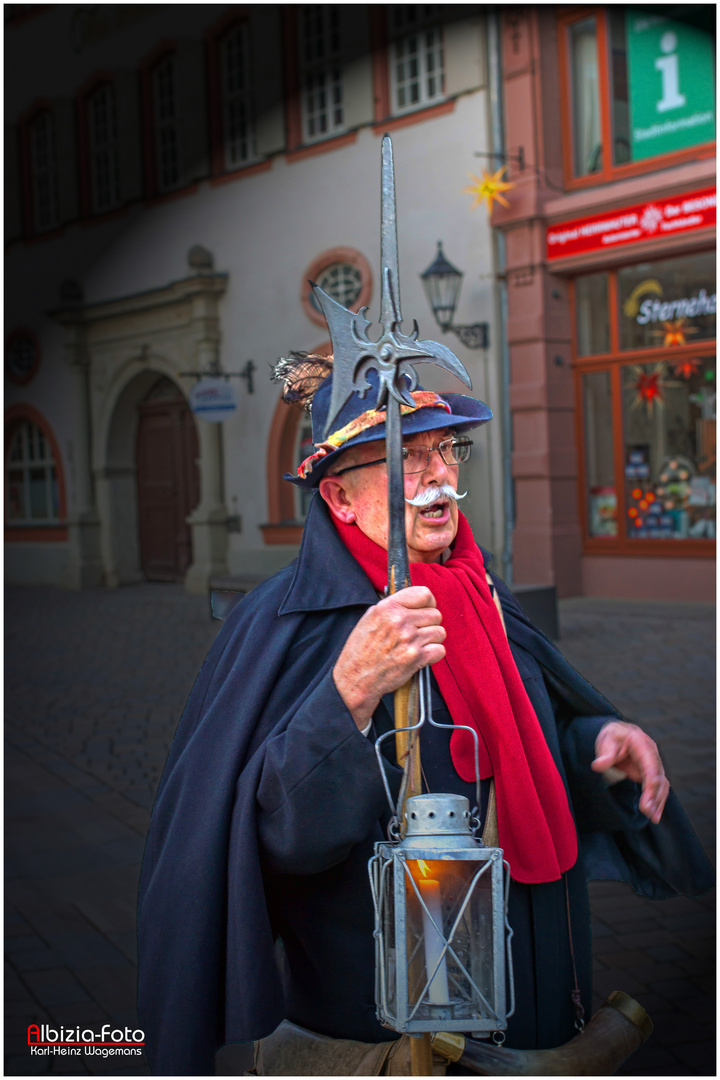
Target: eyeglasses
<point>417,458</point>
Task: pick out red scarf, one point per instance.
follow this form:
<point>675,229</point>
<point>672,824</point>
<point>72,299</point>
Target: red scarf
<point>482,688</point>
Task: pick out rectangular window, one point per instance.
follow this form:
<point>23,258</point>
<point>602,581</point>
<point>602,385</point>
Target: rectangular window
<point>104,173</point>
<point>321,71</point>
<point>587,141</point>
<point>32,483</point>
<point>669,438</point>
<point>668,303</point>
<point>417,65</point>
<point>167,148</point>
<point>640,86</point>
<point>599,457</point>
<point>237,94</point>
<point>649,421</point>
<point>591,321</point>
<point>44,172</point>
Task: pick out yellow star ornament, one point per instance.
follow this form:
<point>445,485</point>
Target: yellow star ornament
<point>489,188</point>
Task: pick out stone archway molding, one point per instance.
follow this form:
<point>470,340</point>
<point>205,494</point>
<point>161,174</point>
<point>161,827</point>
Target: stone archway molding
<point>118,347</point>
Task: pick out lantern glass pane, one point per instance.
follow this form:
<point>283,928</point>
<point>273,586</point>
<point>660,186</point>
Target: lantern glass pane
<point>452,904</point>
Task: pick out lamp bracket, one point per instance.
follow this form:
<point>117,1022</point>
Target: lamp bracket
<point>473,337</point>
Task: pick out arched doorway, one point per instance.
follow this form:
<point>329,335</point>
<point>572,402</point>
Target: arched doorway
<point>168,481</point>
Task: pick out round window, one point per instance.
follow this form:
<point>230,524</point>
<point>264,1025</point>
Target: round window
<point>342,281</point>
<point>344,274</point>
<point>22,356</point>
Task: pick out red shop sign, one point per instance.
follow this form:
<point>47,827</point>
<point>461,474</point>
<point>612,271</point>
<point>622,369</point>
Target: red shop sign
<point>661,217</point>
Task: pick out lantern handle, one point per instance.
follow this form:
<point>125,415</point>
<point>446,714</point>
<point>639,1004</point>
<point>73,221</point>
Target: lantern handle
<point>426,707</point>
<point>425,711</point>
<point>381,760</point>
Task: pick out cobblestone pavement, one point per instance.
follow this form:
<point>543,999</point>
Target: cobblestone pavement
<point>95,682</point>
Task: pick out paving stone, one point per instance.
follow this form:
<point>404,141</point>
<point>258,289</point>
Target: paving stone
<point>672,1029</point>
<point>112,987</point>
<point>698,965</point>
<point>704,983</point>
<point>652,973</point>
<point>643,939</point>
<point>605,944</point>
<point>674,989</point>
<point>26,1065</point>
<point>701,1006</point>
<point>34,960</point>
<point>700,1055</point>
<point>604,982</point>
<point>55,987</point>
<point>652,1059</point>
<point>667,952</point>
<point>624,958</point>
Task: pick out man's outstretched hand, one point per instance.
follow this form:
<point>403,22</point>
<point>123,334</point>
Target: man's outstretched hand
<point>393,640</point>
<point>626,747</point>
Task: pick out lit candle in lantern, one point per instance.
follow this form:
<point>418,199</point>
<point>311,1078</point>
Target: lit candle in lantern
<point>438,993</point>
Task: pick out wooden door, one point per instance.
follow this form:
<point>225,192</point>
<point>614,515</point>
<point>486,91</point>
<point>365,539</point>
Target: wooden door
<point>168,485</point>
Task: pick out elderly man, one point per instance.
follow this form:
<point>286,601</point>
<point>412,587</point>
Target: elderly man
<point>255,905</point>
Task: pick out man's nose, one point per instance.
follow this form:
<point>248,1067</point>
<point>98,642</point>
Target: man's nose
<point>436,469</point>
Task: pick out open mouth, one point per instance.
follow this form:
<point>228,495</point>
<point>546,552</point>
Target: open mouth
<point>435,511</point>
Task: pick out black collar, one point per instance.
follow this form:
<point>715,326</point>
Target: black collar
<point>326,575</point>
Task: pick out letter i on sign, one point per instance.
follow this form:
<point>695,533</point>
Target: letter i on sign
<point>668,67</point>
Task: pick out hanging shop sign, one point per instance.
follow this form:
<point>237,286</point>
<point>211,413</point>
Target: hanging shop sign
<point>213,399</point>
<point>671,84</point>
<point>645,221</point>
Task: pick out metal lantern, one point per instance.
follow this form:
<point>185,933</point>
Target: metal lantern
<point>440,899</point>
<point>442,283</point>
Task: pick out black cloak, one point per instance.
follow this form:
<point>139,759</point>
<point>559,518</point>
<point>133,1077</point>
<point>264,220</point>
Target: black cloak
<point>265,739</point>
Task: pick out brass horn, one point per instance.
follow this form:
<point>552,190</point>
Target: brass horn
<point>618,1029</point>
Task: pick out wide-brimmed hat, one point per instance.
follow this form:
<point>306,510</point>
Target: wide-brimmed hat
<point>359,422</point>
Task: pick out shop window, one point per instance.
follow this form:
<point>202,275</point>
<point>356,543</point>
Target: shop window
<point>669,441</point>
<point>32,490</point>
<point>238,118</point>
<point>44,172</point>
<point>599,460</point>
<point>103,149</point>
<point>321,76</point>
<point>417,65</point>
<point>639,86</point>
<point>644,347</point>
<point>667,303</point>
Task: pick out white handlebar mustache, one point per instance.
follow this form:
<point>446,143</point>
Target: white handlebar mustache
<point>430,495</point>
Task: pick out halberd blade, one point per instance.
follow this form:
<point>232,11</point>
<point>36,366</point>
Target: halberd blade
<point>348,334</point>
<point>445,358</point>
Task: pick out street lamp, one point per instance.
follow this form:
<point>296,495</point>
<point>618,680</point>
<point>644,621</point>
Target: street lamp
<point>442,282</point>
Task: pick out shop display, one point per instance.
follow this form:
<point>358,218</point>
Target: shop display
<point>603,511</point>
<point>648,387</point>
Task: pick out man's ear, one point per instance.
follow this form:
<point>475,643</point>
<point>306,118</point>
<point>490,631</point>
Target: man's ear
<point>332,490</point>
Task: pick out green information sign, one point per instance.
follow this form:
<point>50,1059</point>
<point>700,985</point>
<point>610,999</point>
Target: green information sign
<point>671,84</point>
